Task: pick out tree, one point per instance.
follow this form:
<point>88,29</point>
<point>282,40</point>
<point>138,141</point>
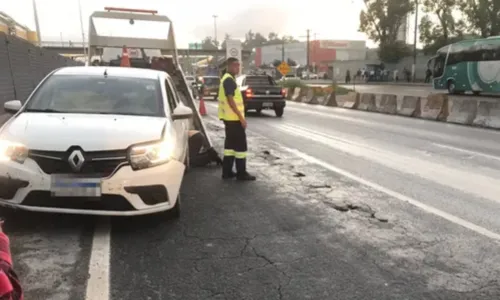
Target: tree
<point>483,16</point>
<point>447,30</point>
<point>208,44</point>
<point>381,21</point>
<point>253,40</point>
<point>291,62</point>
<point>226,37</point>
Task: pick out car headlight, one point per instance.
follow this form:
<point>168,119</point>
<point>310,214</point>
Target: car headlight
<point>10,151</point>
<point>150,155</point>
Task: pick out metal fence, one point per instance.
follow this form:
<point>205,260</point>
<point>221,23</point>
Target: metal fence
<point>23,66</point>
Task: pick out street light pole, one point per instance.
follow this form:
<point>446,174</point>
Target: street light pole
<point>83,32</point>
<point>216,43</point>
<point>38,33</point>
<point>415,43</point>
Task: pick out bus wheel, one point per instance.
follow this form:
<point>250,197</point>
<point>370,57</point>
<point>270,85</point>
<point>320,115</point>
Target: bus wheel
<point>451,87</point>
<point>477,93</point>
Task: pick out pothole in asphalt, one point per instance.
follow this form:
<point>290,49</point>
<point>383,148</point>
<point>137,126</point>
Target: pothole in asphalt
<point>299,174</point>
<point>344,206</point>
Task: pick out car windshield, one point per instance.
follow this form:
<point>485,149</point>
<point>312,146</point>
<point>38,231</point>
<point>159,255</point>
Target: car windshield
<point>211,80</point>
<point>291,75</point>
<point>259,80</point>
<point>98,95</point>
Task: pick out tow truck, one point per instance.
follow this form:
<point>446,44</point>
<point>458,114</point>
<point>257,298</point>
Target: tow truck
<point>142,31</point>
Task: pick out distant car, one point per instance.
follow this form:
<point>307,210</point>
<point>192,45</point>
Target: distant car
<point>98,141</point>
<point>306,75</point>
<point>192,85</point>
<point>261,92</point>
<point>210,86</point>
<point>289,77</point>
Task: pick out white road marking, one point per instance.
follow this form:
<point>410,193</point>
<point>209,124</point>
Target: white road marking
<point>454,219</point>
<point>475,153</point>
<point>99,267</point>
<point>427,208</point>
<point>463,180</point>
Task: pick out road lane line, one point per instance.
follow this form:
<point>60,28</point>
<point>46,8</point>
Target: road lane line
<point>471,183</point>
<point>99,267</point>
<point>427,208</point>
<point>430,209</point>
<point>475,153</point>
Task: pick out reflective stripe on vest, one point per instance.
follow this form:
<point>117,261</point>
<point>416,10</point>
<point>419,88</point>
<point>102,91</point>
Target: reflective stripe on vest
<point>225,111</point>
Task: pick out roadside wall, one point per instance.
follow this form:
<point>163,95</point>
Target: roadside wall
<point>23,65</point>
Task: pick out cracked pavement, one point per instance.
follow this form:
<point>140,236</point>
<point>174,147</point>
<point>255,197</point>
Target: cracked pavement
<point>299,232</point>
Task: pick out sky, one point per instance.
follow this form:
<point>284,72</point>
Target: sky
<point>193,19</point>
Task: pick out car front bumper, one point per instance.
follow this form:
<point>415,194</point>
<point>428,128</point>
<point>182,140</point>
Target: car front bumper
<point>125,193</point>
<point>263,103</point>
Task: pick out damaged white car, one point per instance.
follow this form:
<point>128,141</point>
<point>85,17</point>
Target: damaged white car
<point>96,140</point>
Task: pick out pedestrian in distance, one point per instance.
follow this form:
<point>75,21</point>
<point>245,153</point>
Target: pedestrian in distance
<point>232,113</point>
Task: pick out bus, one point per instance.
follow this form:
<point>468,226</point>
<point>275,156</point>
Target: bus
<point>468,66</point>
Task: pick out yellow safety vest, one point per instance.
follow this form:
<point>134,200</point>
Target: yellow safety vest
<point>225,111</point>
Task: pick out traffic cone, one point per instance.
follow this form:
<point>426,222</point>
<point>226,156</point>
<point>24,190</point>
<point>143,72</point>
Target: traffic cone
<point>125,62</point>
<point>203,109</point>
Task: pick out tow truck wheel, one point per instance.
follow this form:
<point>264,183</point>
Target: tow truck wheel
<point>279,111</point>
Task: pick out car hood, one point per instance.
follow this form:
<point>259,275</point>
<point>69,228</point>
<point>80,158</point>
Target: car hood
<point>58,132</point>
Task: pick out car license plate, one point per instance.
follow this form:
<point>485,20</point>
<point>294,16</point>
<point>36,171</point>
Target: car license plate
<point>67,186</point>
<point>267,104</point>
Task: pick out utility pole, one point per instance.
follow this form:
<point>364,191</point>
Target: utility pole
<point>83,31</point>
<point>415,43</point>
<point>216,44</point>
<point>283,50</point>
<point>37,24</point>
<point>308,51</point>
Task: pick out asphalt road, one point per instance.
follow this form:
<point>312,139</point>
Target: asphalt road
<point>348,205</point>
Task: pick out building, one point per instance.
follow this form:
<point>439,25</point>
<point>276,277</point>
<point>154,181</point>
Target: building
<point>321,53</point>
<point>9,26</point>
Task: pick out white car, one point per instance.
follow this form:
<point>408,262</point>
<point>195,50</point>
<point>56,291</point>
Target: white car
<point>96,140</point>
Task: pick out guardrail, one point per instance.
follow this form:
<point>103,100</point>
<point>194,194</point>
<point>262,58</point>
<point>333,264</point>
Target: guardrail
<point>63,44</point>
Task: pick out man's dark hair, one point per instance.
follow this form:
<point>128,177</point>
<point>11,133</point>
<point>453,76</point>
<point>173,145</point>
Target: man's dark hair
<point>231,60</point>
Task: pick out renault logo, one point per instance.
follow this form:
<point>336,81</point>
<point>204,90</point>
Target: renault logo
<point>76,160</point>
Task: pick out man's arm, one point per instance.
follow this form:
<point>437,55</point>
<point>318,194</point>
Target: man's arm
<point>229,89</point>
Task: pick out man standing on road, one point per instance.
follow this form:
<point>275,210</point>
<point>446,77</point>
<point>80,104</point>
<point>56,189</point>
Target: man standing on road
<point>232,113</point>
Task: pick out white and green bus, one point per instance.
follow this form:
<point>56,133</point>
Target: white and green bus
<point>468,66</point>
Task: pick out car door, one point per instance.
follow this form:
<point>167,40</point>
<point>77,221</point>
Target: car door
<point>181,127</point>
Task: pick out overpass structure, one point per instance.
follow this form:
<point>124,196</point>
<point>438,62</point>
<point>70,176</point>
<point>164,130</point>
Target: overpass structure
<point>73,48</point>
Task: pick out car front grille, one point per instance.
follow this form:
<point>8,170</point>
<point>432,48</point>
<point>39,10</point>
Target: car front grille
<point>95,164</point>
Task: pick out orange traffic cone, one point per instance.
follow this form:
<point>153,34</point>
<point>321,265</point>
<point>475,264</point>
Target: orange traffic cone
<point>203,109</point>
<point>125,62</point>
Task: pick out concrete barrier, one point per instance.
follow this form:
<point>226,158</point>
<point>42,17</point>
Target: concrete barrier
<point>409,106</point>
<point>310,97</point>
<point>461,110</point>
<point>303,94</point>
<point>367,102</point>
<point>434,107</point>
<point>330,99</point>
<point>289,93</point>
<point>351,100</point>
<point>387,104</point>
<point>488,114</point>
<point>296,94</point>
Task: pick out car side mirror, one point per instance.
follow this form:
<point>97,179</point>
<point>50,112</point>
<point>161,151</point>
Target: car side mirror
<point>12,106</point>
<point>182,112</point>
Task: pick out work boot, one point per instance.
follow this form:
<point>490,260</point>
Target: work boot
<point>227,167</point>
<point>241,169</point>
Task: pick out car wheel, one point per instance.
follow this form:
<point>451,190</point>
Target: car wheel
<point>175,212</point>
<point>187,161</point>
<point>477,93</point>
<point>279,111</point>
<point>259,110</point>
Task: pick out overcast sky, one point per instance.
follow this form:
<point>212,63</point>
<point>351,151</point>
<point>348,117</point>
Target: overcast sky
<point>332,19</point>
